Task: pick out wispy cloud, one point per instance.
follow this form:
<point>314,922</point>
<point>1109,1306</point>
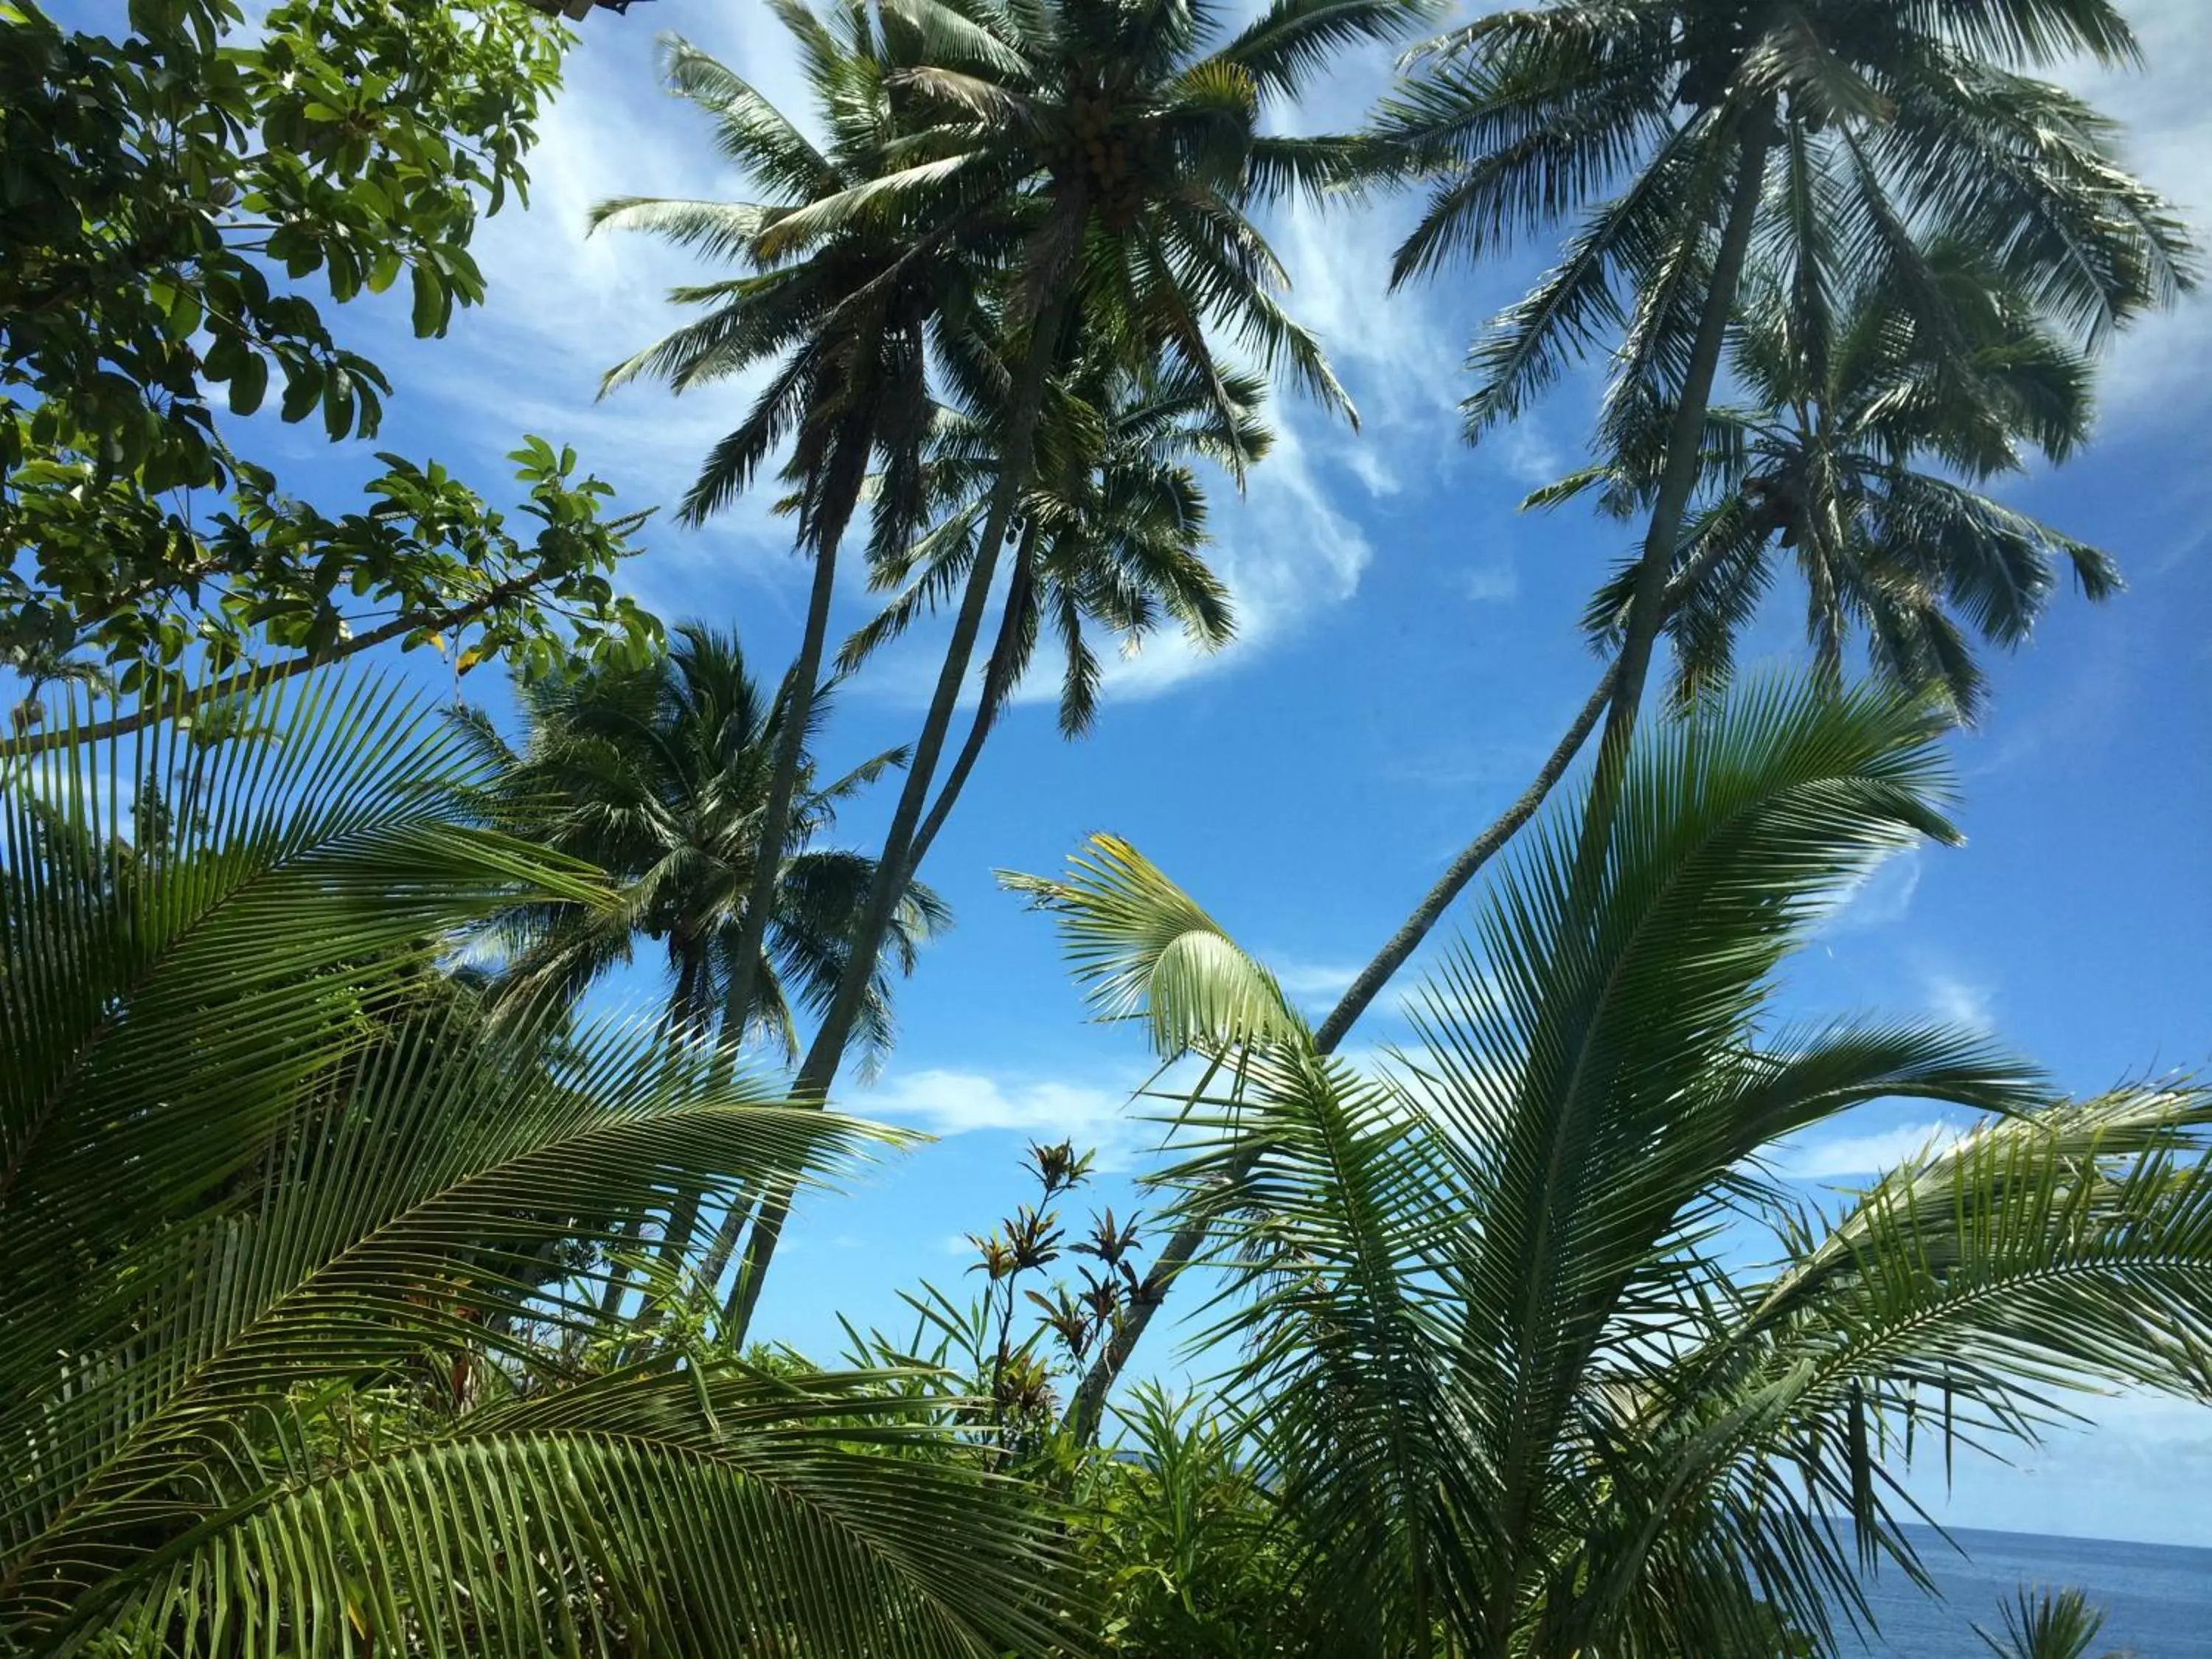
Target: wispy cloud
<point>946,1101</point>
<point>1312,984</point>
<point>1953,998</point>
<point>1877,898</point>
<point>1492,582</point>
<point>1824,1157</point>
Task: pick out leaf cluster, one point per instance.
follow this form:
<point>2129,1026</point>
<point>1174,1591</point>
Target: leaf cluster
<point>174,205</point>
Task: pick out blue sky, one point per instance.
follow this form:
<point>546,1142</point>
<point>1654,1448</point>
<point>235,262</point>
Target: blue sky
<point>1407,652</point>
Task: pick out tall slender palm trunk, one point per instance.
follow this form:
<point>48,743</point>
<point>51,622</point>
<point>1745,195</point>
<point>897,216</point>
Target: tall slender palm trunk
<point>775,811</point>
<point>998,676</point>
<point>1678,481</point>
<point>1617,696</point>
<point>998,685</point>
<point>895,867</point>
<point>748,954</point>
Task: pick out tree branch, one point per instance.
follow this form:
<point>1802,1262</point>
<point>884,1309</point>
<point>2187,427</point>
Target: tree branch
<point>185,700</point>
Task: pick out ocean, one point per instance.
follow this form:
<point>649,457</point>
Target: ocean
<point>2157,1598</point>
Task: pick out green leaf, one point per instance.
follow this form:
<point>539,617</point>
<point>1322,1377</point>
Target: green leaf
<point>249,384</point>
<point>432,304</point>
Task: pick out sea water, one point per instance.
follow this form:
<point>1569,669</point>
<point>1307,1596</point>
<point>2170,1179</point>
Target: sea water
<point>2157,1598</point>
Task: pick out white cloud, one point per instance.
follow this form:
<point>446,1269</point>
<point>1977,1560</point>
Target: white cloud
<point>1312,984</point>
<point>1881,896</point>
<point>948,1102</point>
<point>561,306</point>
<point>2136,1467</point>
<point>1958,1000</point>
<point>1529,453</point>
<point>1824,1157</point>
<point>1494,581</point>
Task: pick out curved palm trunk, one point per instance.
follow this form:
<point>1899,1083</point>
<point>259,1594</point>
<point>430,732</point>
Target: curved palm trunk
<point>1088,1408</point>
<point>998,685</point>
<point>775,812</point>
<point>998,682</point>
<point>1678,481</point>
<point>894,865</point>
<point>1617,695</point>
<point>1477,852</point>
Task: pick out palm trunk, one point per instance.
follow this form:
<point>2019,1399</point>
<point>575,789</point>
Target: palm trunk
<point>998,684</point>
<point>1477,852</point>
<point>1617,695</point>
<point>681,1022</point>
<point>775,812</point>
<point>1678,481</point>
<point>1088,1408</point>
<point>894,865</point>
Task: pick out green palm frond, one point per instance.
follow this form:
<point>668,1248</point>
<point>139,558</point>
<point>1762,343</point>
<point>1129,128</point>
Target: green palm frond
<point>246,937</point>
<point>1505,1378</point>
<point>1146,951</point>
<point>2042,1623</point>
<point>309,1246</point>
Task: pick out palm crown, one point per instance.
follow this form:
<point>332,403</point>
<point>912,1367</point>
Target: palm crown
<point>1112,527</point>
<point>842,323</point>
<point>1857,450</point>
<point>1511,1388</point>
<point>1867,127</point>
<point>658,775</point>
<point>1843,136</point>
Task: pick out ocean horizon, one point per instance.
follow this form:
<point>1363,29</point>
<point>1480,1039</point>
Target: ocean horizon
<point>2157,1598</point>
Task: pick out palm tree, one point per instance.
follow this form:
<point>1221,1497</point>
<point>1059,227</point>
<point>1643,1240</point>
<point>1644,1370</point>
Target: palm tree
<point>37,666</point>
<point>661,776</point>
<point>1868,422</point>
<point>1859,458</point>
<point>1125,146</point>
<point>1839,133</point>
<point>843,318</point>
<point>2047,1625</point>
<point>1857,476</point>
<point>275,1376</point>
<point>1517,1393</point>
<point>1112,529</point>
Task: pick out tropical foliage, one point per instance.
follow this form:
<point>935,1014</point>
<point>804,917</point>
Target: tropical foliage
<point>174,200</point>
<point>1515,1397</point>
<point>1842,141</point>
<point>304,1257</point>
<point>384,1268</point>
<point>1855,455</point>
<point>658,775</point>
<point>2047,1624</point>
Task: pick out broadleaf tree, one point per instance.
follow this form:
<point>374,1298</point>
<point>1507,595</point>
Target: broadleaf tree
<point>177,207</point>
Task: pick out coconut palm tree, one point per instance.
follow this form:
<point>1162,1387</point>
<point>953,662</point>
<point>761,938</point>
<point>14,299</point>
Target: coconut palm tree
<point>1682,132</point>
<point>1125,142</point>
<point>1863,433</point>
<point>2041,1623</point>
<point>1859,453</point>
<point>1861,459</point>
<point>661,776</point>
<point>841,318</point>
<point>1112,530</point>
<point>274,1375</point>
<point>1517,1391</point>
<point>37,667</point>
